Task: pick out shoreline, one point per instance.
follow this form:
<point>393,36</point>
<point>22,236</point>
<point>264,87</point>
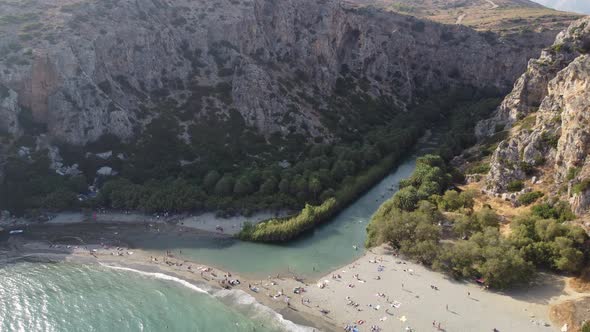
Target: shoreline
<point>347,300</point>
<point>142,261</point>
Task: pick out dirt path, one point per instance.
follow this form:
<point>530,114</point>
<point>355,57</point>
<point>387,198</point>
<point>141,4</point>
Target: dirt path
<point>460,19</point>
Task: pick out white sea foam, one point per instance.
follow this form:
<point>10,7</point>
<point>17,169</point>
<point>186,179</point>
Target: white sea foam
<point>160,276</point>
<point>241,300</point>
<point>255,310</point>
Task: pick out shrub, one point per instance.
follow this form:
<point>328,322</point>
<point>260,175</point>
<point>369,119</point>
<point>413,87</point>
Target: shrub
<point>515,186</point>
<point>550,139</point>
<point>581,186</point>
<point>559,211</point>
<point>453,200</point>
<point>527,168</point>
<point>572,173</point>
<point>550,243</point>
<point>530,198</point>
<point>406,199</point>
<point>586,325</point>
<point>479,169</point>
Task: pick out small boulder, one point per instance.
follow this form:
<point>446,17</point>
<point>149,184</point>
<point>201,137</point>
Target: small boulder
<point>105,171</point>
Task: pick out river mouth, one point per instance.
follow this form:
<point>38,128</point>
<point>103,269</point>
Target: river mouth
<point>311,256</point>
<point>316,253</point>
<point>324,249</point>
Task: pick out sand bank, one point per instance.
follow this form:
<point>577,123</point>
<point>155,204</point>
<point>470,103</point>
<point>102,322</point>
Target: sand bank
<point>208,222</point>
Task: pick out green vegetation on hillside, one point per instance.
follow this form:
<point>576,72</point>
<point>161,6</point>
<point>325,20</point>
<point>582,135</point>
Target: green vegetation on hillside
<point>473,247</point>
<point>224,165</point>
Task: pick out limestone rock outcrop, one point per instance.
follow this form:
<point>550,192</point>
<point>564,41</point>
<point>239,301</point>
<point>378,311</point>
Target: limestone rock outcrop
<point>548,114</point>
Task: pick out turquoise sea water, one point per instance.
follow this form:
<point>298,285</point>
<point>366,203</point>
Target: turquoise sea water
<point>73,297</point>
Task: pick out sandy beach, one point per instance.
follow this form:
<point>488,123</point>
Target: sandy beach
<point>378,292</point>
<point>391,294</point>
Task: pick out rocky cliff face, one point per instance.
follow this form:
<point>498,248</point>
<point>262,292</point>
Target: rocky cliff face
<point>548,116</point>
<point>77,70</point>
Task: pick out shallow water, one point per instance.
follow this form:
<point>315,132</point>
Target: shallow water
<point>74,297</point>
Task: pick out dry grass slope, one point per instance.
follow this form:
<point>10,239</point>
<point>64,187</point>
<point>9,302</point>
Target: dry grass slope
<point>506,16</point>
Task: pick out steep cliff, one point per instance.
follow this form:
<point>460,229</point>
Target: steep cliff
<point>81,69</point>
<point>548,117</point>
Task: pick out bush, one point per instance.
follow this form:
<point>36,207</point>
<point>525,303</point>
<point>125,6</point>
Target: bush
<point>453,201</point>
<point>515,186</point>
<point>527,168</point>
<point>586,325</point>
<point>530,198</point>
<point>479,169</point>
<point>581,186</point>
<point>550,139</point>
<point>549,243</point>
<point>572,173</point>
<point>406,199</point>
<point>559,211</point>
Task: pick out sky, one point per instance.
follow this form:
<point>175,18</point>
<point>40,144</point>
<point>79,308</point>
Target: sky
<point>578,6</point>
